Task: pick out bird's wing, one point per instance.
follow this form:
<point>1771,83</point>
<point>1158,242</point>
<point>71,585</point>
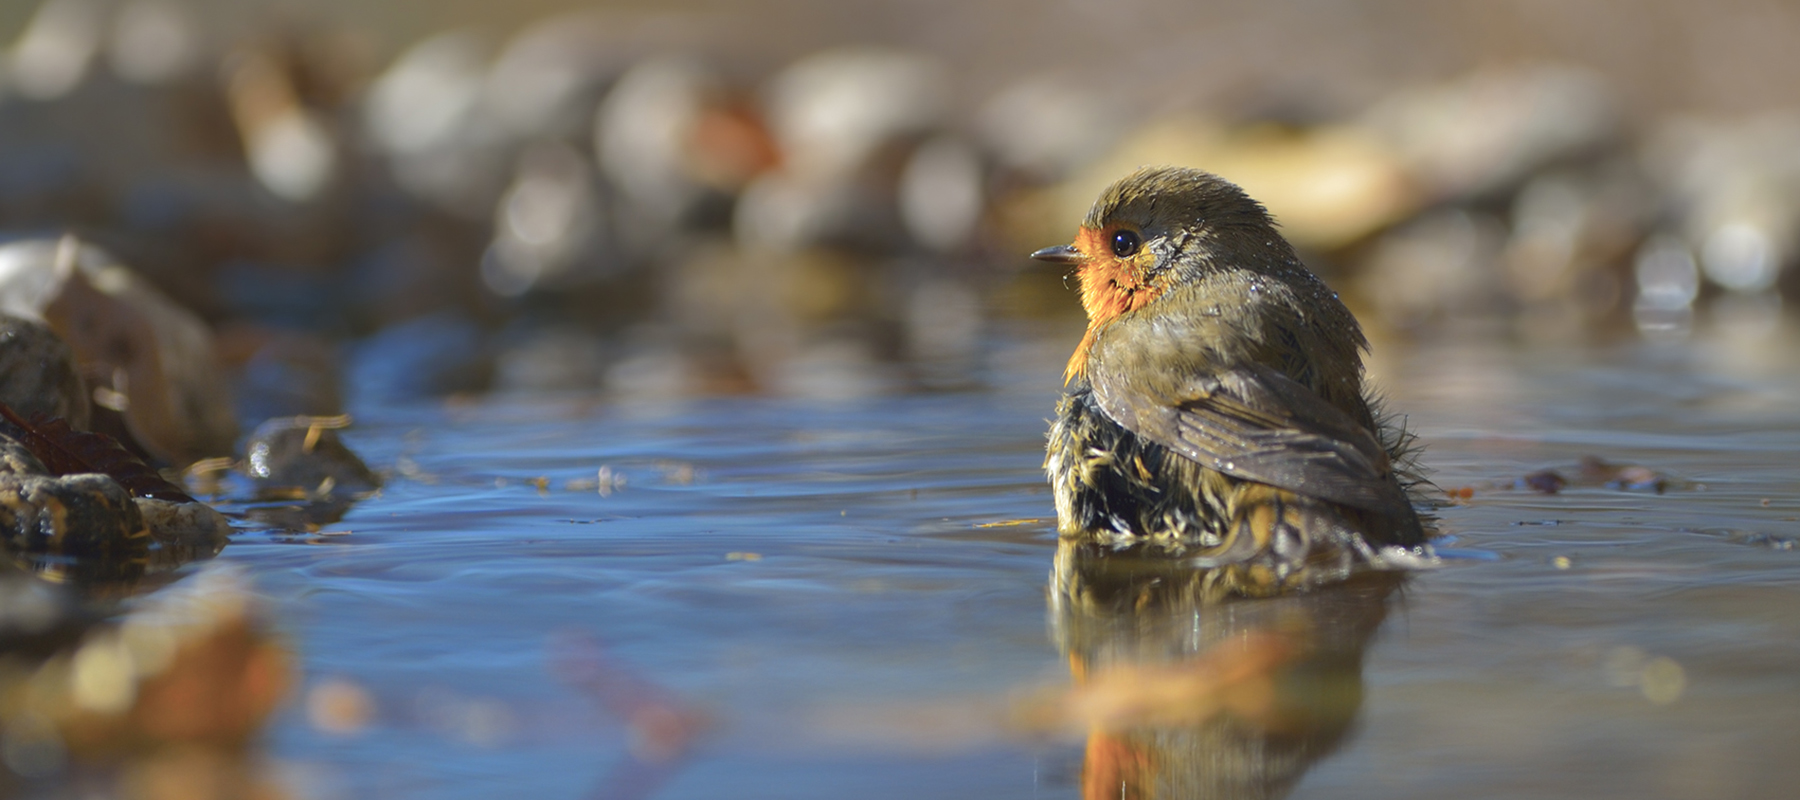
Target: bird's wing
<point>1257,424</point>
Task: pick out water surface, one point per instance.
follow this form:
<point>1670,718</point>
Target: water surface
<point>825,582</point>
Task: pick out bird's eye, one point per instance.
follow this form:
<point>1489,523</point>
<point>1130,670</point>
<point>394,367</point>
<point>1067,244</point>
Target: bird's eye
<point>1125,243</point>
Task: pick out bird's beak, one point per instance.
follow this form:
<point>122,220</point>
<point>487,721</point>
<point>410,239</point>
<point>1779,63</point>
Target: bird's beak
<point>1060,254</point>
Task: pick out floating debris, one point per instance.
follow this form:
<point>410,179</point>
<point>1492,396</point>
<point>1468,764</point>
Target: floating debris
<point>1010,523</point>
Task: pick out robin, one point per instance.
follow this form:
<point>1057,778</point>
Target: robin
<point>1216,405</point>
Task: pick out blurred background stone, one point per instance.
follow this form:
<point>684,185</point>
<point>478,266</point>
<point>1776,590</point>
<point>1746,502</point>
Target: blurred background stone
<point>397,205</point>
<point>37,373</point>
<point>142,356</point>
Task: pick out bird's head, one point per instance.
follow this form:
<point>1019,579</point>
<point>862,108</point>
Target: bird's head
<point>1156,229</point>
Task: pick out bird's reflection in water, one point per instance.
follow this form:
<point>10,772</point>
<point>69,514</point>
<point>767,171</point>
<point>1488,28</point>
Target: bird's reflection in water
<point>1192,696</point>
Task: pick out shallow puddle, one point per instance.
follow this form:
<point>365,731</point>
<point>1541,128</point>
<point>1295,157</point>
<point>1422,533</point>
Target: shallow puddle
<point>752,597</point>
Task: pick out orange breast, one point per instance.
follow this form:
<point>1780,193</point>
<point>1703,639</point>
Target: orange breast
<point>1110,286</point>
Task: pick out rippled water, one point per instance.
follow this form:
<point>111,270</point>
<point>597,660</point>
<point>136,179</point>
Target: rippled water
<point>815,579</point>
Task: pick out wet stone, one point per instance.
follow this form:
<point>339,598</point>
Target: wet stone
<point>183,531</point>
<point>15,459</point>
<point>91,526</point>
<point>305,455</point>
<point>87,517</point>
